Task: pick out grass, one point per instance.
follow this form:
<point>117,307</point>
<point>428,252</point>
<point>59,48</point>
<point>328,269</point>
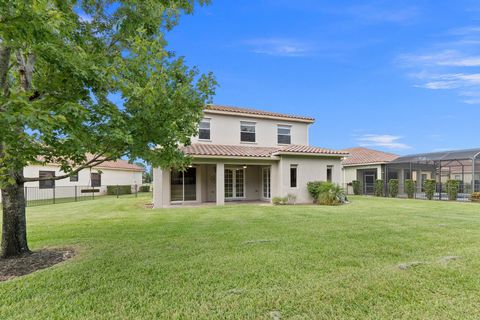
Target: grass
<point>246,261</point>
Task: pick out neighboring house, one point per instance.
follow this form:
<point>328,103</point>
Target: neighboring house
<point>246,154</point>
<point>118,172</point>
<point>366,165</point>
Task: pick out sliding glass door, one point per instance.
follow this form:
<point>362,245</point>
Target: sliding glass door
<point>266,192</point>
<point>234,183</point>
<point>183,185</point>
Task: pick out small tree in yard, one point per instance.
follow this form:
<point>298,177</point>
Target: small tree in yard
<point>453,186</point>
<point>393,188</point>
<point>62,63</point>
<point>410,188</point>
<point>429,186</point>
<point>378,188</point>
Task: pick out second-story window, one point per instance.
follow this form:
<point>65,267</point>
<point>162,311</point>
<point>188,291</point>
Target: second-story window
<point>247,131</point>
<point>283,134</point>
<point>204,130</point>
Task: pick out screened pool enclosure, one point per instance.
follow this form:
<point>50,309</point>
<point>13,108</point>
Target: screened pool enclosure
<point>461,165</point>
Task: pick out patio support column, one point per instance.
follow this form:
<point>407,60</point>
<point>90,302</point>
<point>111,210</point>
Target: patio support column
<point>220,184</point>
<point>161,188</point>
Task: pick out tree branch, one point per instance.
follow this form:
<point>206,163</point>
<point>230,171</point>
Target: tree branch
<point>91,163</point>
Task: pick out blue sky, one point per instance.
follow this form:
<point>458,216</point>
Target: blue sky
<point>399,76</point>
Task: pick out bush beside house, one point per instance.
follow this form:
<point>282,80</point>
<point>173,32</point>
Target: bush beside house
<point>313,188</point>
<point>119,190</point>
<point>356,187</point>
<point>379,188</point>
<point>326,193</point>
<point>393,188</point>
<point>144,188</point>
<point>429,186</point>
<point>453,186</point>
<point>475,197</point>
<point>410,188</point>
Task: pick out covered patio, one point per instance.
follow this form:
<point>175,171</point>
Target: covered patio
<point>208,181</point>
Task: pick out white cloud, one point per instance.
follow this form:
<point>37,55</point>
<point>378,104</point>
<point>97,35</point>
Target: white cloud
<point>448,81</point>
<point>448,65</point>
<point>279,47</point>
<point>451,58</point>
<point>382,140</point>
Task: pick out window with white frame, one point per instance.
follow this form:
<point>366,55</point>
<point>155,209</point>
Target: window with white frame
<point>204,130</point>
<point>284,134</point>
<point>247,131</point>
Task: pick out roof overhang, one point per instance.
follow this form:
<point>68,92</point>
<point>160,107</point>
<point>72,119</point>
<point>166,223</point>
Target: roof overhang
<point>257,116</point>
<point>310,154</point>
<point>270,158</point>
<point>365,164</point>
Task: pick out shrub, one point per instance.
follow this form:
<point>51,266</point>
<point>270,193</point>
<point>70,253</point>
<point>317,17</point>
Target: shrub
<point>393,188</point>
<point>356,187</point>
<point>379,188</point>
<point>475,197</point>
<point>313,188</point>
<point>453,186</point>
<point>429,186</point>
<point>144,189</point>
<point>279,200</point>
<point>332,195</point>
<point>291,198</point>
<point>410,188</point>
<point>114,190</point>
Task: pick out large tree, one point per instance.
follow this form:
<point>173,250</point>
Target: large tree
<point>63,64</point>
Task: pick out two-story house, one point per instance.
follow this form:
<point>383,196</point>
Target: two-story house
<point>246,154</point>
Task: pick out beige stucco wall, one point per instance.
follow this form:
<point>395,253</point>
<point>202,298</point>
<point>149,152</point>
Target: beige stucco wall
<point>109,176</point>
<point>225,129</point>
<point>63,187</point>
<point>308,169</point>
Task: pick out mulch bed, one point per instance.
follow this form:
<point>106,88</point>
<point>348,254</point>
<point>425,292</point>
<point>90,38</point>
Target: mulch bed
<point>28,263</point>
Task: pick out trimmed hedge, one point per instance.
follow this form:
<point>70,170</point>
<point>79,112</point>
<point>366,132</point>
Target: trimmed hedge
<point>453,186</point>
<point>144,189</point>
<point>429,186</point>
<point>313,188</point>
<point>112,190</point>
<point>379,188</point>
<point>356,187</point>
<point>410,188</point>
<point>393,188</point>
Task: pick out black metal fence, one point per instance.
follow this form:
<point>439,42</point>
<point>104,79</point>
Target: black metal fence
<point>35,196</point>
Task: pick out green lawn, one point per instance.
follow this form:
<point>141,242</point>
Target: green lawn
<point>245,261</point>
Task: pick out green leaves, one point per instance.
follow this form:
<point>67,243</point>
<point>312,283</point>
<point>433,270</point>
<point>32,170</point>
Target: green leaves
<point>116,49</point>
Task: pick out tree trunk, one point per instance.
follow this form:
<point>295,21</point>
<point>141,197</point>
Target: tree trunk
<point>14,230</point>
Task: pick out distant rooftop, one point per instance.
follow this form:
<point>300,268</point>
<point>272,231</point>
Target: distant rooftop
<point>256,112</point>
<point>361,156</point>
